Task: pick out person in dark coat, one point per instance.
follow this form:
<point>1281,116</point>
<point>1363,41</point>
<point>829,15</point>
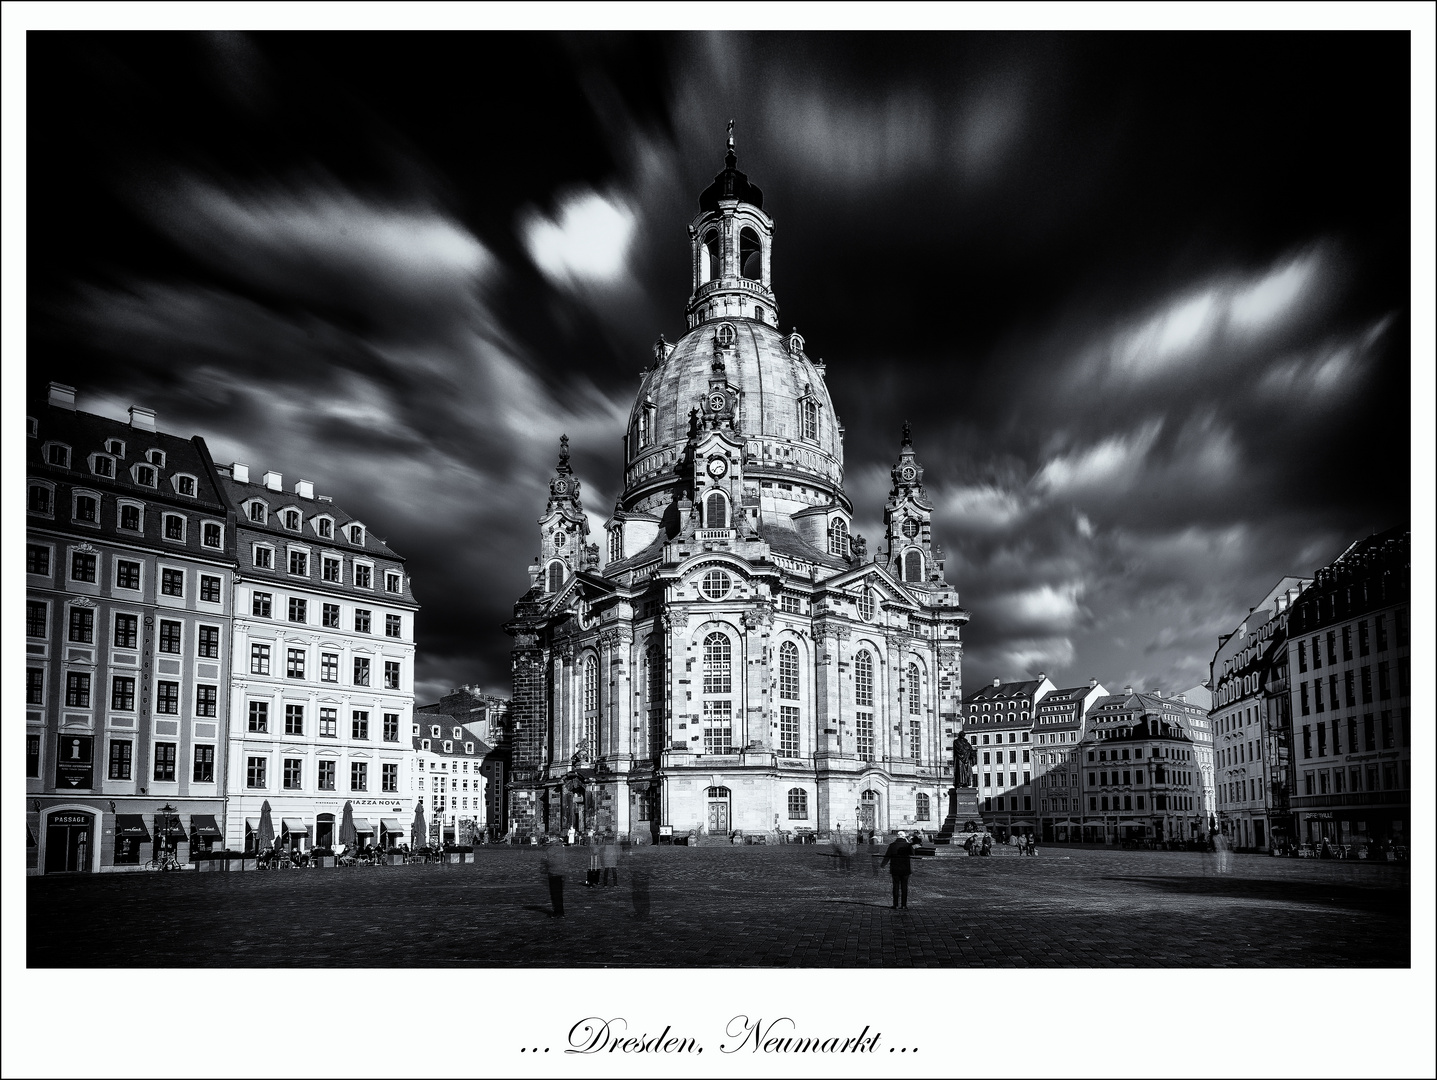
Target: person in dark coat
<point>557,863</point>
<point>899,860</point>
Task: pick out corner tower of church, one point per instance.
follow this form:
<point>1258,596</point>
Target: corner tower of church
<point>738,662</point>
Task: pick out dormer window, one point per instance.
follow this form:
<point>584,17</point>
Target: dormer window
<point>325,528</point>
<point>174,527</point>
<point>184,484</point>
<point>146,476</point>
<point>459,733</point>
<point>101,465</point>
<point>115,446</point>
<point>87,509</point>
<point>356,535</point>
<point>257,512</point>
<point>58,454</point>
<point>392,582</point>
<point>808,419</point>
<point>155,458</point>
<point>434,731</point>
<point>291,520</point>
<point>838,539</point>
<point>41,499</point>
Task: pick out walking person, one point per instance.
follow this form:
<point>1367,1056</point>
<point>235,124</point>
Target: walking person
<point>556,864</point>
<point>609,860</point>
<point>899,860</point>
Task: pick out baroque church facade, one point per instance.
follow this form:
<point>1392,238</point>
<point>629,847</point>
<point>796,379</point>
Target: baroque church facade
<point>737,661</point>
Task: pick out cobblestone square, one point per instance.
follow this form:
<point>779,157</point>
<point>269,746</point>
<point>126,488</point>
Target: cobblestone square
<point>740,907</point>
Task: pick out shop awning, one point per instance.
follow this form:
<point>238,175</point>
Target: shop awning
<point>362,825</point>
<point>204,825</point>
<point>295,826</point>
<point>392,825</point>
<point>169,826</point>
<point>131,827</point>
<point>252,824</point>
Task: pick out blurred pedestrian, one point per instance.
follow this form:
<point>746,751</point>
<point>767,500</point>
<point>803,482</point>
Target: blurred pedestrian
<point>556,864</point>
<point>609,860</point>
<point>899,860</point>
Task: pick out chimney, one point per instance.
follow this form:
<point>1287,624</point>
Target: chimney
<point>62,396</point>
<point>141,418</point>
<point>1157,693</point>
<point>997,682</point>
<point>274,481</point>
<point>1092,683</point>
<point>1041,676</point>
<point>1127,689</point>
<point>304,489</point>
<point>240,471</point>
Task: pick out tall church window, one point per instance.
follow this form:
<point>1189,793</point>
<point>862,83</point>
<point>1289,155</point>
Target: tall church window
<point>838,539</point>
<point>788,671</point>
<point>920,807</point>
<point>915,740</point>
<point>616,545</point>
<point>715,511</point>
<point>750,254</point>
<point>863,678</point>
<point>865,604</point>
<point>788,730</point>
<point>643,431</point>
<point>556,576</point>
<point>718,688</point>
<point>654,682</point>
<point>808,419</point>
<point>591,704</point>
<point>915,689</point>
<point>912,565</point>
<point>865,736</point>
<point>797,804</point>
<point>709,258</point>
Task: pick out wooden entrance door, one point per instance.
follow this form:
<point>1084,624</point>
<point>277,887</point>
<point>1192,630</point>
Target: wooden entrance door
<point>718,811</point>
<point>868,811</point>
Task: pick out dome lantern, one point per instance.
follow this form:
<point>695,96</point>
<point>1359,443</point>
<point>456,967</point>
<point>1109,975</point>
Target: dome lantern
<point>731,245</point>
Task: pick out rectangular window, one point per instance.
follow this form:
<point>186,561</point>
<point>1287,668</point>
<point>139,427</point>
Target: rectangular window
<point>260,605</point>
<point>392,582</point>
<point>1347,643</point>
<point>329,667</point>
<point>165,762</point>
<point>121,759</point>
<point>35,619</point>
<point>361,671</point>
<point>361,621</point>
<point>329,616</point>
<point>718,726</point>
<point>294,719</point>
<point>1384,681</point>
<point>293,773</point>
<point>259,716</point>
<point>87,509</point>
<point>789,604</point>
<point>130,518</point>
<point>391,626</point>
<point>1388,742</point>
<point>122,693</point>
<point>172,582</point>
<point>1302,656</point>
<point>259,659</point>
<point>1302,691</point>
<point>326,776</point>
<point>329,723</point>
<point>82,625</point>
<point>359,725</point>
<point>299,563</point>
<point>788,730</point>
<point>37,559</point>
<point>34,686</point>
<point>169,636</point>
<point>298,610</point>
<point>264,558</point>
<point>391,675</point>
<point>1321,740</point>
<point>295,664</point>
<point>167,698</point>
<point>1369,733</point>
<point>1332,646</point>
<point>358,776</point>
<point>864,728</point>
<point>127,631</point>
<point>209,647</point>
<point>212,535</point>
<point>1317,694</point>
<point>389,779</point>
<point>1362,643</point>
<point>77,690</point>
<point>209,589</point>
<point>127,574</point>
<point>174,527</point>
<point>82,567</point>
<point>1349,688</point>
<point>1379,624</point>
<point>206,700</point>
<point>331,569</point>
<point>204,770</point>
<point>1306,740</point>
<point>391,727</point>
<point>254,774</point>
<point>363,576</point>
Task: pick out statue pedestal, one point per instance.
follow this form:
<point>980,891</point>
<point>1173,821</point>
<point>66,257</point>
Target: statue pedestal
<point>962,808</point>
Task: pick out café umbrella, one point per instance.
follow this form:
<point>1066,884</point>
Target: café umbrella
<point>420,831</point>
<point>348,835</point>
<point>265,841</point>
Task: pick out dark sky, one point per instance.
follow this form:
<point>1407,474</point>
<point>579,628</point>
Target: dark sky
<point>1143,297</point>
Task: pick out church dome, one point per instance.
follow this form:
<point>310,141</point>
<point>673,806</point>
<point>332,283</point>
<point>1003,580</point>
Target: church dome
<point>784,413</point>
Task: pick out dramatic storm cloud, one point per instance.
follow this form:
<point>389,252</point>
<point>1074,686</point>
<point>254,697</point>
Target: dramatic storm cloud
<point>1142,298</point>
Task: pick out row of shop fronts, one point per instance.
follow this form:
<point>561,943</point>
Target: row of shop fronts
<point>90,836</point>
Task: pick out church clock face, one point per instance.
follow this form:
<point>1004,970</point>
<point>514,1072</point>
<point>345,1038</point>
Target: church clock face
<point>910,528</point>
<point>560,487</point>
<point>717,467</point>
<point>716,402</point>
<point>909,472</point>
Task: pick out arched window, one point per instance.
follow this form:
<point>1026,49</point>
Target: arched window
<point>654,685</point>
<point>616,544</point>
<point>797,804</point>
<point>643,428</point>
<point>863,678</point>
<point>920,807</point>
<point>750,254</point>
<point>710,259</point>
<point>591,703</point>
<point>912,565</point>
<point>865,604</point>
<point>915,689</point>
<point>718,690</point>
<point>788,671</point>
<point>838,539</point>
<point>715,511</point>
<point>556,576</point>
<point>808,419</point>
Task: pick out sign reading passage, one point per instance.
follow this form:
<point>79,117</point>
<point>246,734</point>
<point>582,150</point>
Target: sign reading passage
<point>75,767</point>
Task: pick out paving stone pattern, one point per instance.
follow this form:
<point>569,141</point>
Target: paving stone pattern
<point>738,907</point>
